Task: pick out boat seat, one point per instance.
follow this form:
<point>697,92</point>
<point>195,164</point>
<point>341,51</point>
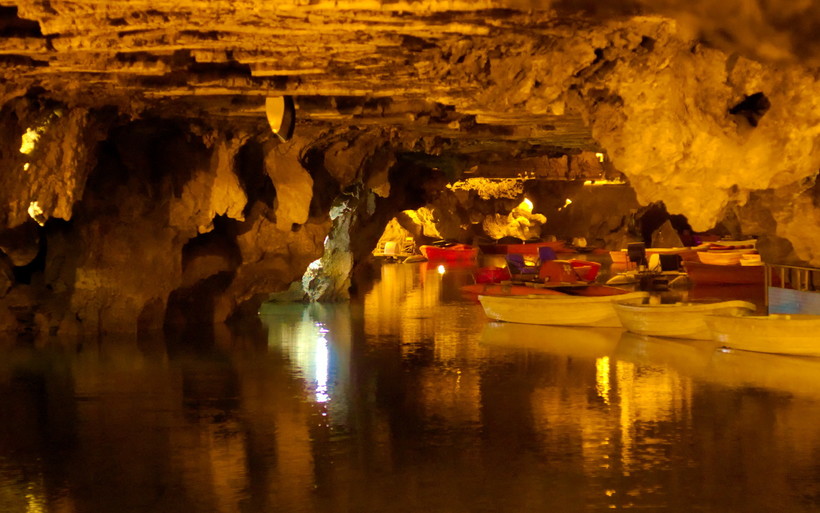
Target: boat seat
<point>671,262</point>
<point>546,253</point>
<point>518,267</point>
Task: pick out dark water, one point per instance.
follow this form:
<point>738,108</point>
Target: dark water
<point>407,402</point>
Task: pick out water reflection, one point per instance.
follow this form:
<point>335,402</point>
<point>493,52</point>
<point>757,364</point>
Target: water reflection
<point>407,401</point>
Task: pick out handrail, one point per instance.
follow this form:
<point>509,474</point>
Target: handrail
<point>800,278</point>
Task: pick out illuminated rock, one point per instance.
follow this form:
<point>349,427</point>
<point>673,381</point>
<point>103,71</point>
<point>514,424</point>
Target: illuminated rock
<point>293,184</point>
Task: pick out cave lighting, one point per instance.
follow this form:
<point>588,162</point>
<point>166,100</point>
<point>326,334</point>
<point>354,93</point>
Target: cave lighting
<point>36,212</point>
<point>604,182</point>
<point>281,115</point>
<point>30,139</point>
<point>526,205</point>
<point>441,269</point>
<point>600,157</point>
<point>26,166</point>
<point>567,203</point>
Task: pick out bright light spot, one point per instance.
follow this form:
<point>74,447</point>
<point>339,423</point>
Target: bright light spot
<point>30,139</point>
<point>322,361</point>
<point>567,203</point>
<point>610,493</point>
<point>34,504</point>
<point>36,212</point>
<point>604,182</point>
<point>600,157</point>
<point>526,205</point>
<point>314,266</point>
<point>26,166</point>
<point>602,378</point>
<point>440,269</point>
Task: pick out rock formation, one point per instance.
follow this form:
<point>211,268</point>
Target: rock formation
<point>141,186</point>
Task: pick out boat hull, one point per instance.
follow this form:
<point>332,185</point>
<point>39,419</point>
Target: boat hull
<point>780,334</point>
<point>456,253</point>
<point>680,320</point>
<point>549,310</point>
<point>499,289</point>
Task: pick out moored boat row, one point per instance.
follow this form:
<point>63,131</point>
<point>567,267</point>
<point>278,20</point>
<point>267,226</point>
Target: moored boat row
<point>728,323</point>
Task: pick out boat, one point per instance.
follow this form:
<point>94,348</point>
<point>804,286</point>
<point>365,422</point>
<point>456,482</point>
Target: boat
<point>687,254</point>
<point>676,320</point>
<point>722,257</point>
<point>700,273</point>
<point>455,252</point>
<point>508,289</point>
<point>557,310</point>
<point>511,288</point>
<point>586,270</point>
<point>511,245</point>
<point>791,334</point>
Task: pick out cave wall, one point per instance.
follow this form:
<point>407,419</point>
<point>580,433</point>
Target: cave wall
<point>174,223</point>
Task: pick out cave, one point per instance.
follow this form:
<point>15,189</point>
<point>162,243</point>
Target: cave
<point>140,173</point>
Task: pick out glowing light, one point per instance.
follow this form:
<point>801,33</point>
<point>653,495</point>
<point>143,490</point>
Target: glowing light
<point>600,157</point>
<point>321,357</point>
<point>441,269</point>
<point>26,166</point>
<point>30,139</point>
<point>602,378</point>
<point>567,203</point>
<point>36,212</point>
<point>526,205</point>
<point>604,182</point>
<point>34,504</point>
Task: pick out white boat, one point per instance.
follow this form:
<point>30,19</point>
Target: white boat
<point>722,257</point>
<point>794,334</point>
<point>556,310</point>
<point>676,320</point>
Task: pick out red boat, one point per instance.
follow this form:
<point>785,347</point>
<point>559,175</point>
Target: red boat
<point>498,289</point>
<point>525,248</point>
<point>452,253</point>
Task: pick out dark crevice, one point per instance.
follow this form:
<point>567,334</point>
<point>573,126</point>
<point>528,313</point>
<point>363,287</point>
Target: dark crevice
<point>325,187</point>
<point>752,108</point>
<point>11,25</point>
<point>250,169</point>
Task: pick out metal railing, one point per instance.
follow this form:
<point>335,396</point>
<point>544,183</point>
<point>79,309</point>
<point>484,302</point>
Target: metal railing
<point>803,279</point>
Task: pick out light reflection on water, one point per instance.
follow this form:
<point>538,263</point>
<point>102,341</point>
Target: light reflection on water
<point>407,401</point>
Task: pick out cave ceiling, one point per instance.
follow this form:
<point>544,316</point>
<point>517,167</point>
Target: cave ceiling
<point>491,77</point>
<point>654,84</point>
